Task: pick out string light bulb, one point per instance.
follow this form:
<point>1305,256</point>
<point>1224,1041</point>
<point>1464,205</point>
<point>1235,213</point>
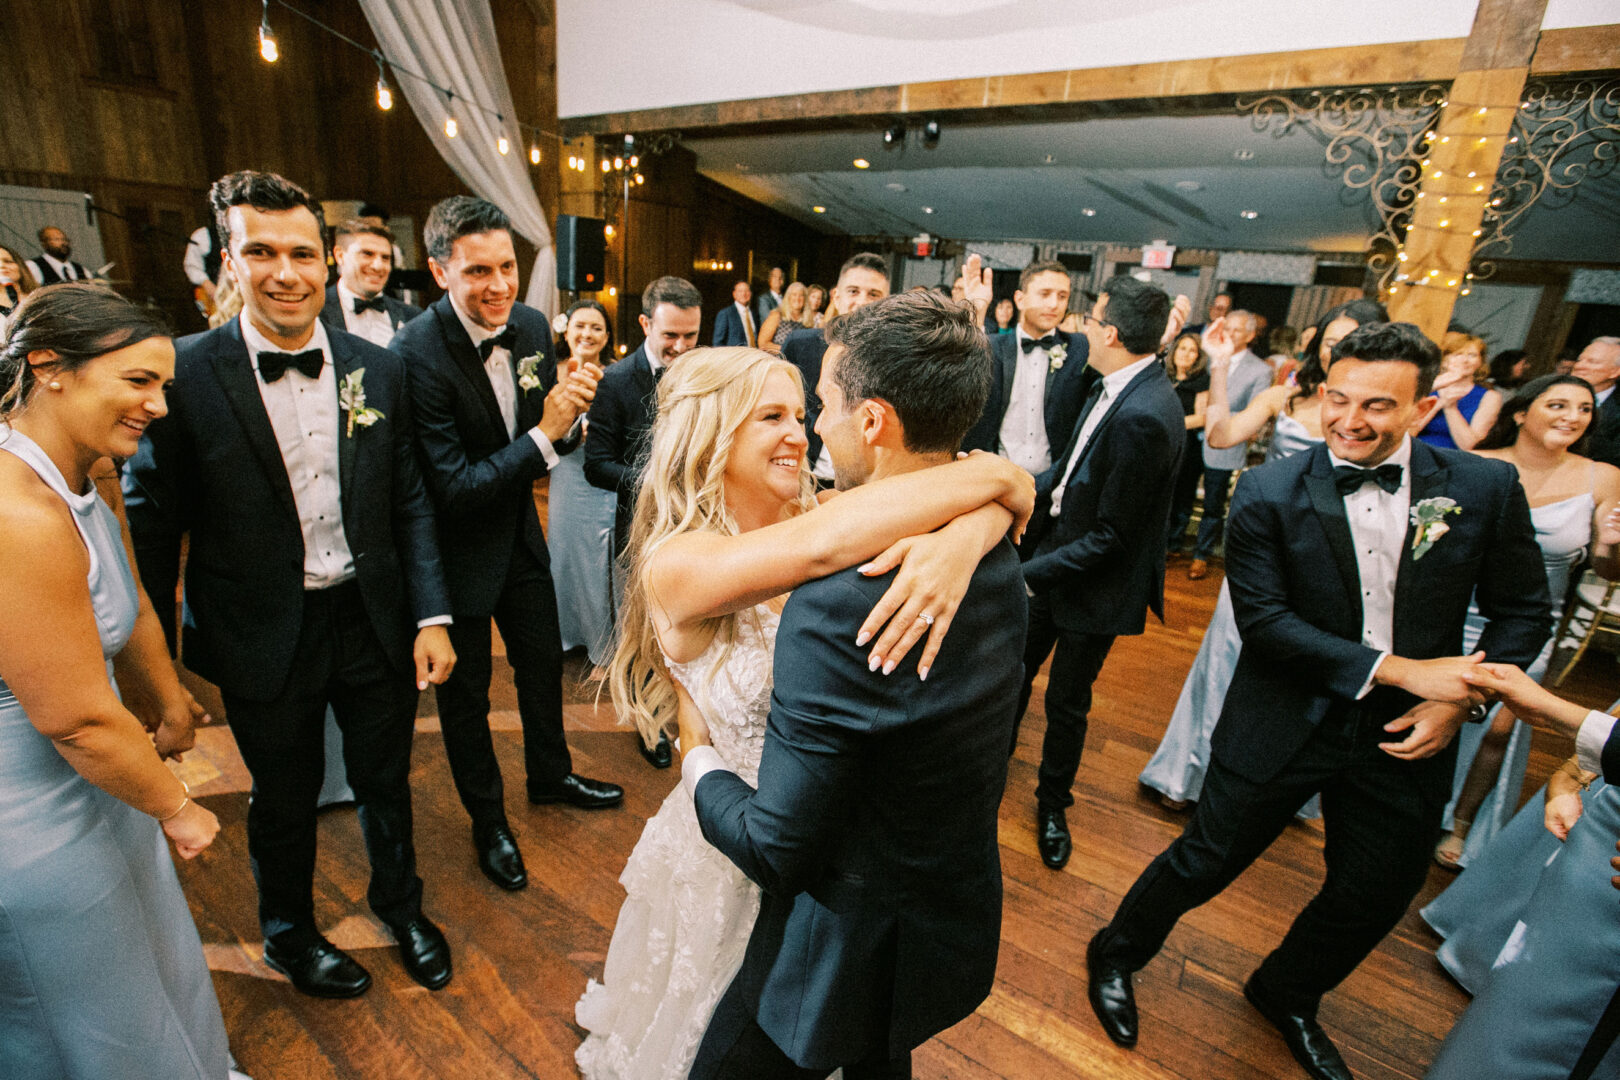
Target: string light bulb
<point>634,161</point>
<point>607,230</point>
<point>451,128</point>
<point>618,163</point>
<point>502,146</point>
<point>534,154</point>
<point>385,93</point>
<point>607,166</point>
<point>640,179</point>
<point>268,48</point>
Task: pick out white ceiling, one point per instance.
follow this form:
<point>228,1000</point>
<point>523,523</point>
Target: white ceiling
<point>1034,181</point>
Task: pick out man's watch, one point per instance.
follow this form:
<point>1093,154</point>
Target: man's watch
<point>1476,713</point>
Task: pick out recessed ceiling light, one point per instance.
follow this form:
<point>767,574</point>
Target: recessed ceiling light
<point>1089,212</point>
<point>1248,215</point>
<point>1050,159</point>
<point>862,163</point>
<point>1189,185</point>
<point>928,209</point>
<point>818,209</point>
<point>1245,154</point>
<point>895,185</point>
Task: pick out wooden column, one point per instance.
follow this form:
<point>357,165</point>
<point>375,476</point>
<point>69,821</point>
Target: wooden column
<point>1464,154</point>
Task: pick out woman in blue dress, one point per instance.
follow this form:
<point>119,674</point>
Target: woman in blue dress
<point>102,969</point>
<point>1542,433</point>
<point>580,517</point>
<point>1468,407</point>
<point>1177,768</point>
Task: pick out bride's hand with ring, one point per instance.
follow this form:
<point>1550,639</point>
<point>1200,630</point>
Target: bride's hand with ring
<point>693,729</point>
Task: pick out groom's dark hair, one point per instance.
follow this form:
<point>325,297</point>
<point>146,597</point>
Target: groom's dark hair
<point>924,354</point>
<point>1398,341</point>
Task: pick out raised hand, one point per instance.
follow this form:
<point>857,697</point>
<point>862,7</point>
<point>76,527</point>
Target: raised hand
<point>977,284</point>
<point>1178,318</point>
<point>1218,344</point>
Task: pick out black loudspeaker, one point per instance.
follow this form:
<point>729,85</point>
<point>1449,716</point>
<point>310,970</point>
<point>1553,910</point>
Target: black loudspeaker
<point>581,253</point>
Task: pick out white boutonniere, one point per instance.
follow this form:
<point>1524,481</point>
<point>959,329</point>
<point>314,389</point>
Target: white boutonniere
<point>352,399</point>
<point>528,376</point>
<point>1055,357</point>
<point>1428,519</point>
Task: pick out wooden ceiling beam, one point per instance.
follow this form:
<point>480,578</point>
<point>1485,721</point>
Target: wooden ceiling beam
<point>1133,89</point>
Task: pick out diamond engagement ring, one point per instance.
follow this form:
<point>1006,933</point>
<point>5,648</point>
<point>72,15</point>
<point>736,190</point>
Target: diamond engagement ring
<point>927,618</point>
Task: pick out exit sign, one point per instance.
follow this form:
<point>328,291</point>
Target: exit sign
<point>1158,256</point>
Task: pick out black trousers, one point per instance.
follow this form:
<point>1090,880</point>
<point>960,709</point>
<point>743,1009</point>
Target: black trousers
<point>1185,493</point>
<point>338,661</point>
<point>736,1048</point>
<point>1077,658</point>
<point>1381,824</point>
<point>526,612</point>
<point>1217,486</point>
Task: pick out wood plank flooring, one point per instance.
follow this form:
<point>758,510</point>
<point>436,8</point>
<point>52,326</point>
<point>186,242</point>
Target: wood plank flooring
<point>521,960</point>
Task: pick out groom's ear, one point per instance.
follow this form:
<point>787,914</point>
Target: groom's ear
<point>876,417</point>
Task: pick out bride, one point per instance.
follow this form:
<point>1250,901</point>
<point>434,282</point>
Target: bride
<point>726,523</point>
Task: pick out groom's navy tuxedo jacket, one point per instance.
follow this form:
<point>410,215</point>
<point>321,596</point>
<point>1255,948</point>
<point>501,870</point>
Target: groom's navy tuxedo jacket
<point>212,468</point>
<point>1296,592</point>
<point>873,831</point>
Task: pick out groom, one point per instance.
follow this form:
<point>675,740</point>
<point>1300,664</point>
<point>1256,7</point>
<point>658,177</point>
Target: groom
<point>873,832</point>
<point>1351,568</point>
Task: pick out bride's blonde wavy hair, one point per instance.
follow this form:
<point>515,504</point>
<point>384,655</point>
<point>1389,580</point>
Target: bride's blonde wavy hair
<point>703,399</point>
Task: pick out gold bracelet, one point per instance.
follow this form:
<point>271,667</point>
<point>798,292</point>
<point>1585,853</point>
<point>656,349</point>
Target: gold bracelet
<point>182,805</point>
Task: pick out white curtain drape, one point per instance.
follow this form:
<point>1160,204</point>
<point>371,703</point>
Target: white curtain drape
<point>453,43</point>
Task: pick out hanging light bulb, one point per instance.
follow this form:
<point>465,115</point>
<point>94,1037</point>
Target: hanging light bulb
<point>607,230</point>
<point>503,146</point>
<point>639,179</point>
<point>618,163</point>
<point>451,128</point>
<point>572,161</point>
<point>607,166</point>
<point>267,37</point>
<point>534,154</point>
<point>634,161</point>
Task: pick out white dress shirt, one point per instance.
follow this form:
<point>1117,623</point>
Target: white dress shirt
<point>64,270</point>
<point>1378,521</point>
<point>304,416</point>
<point>197,249</point>
<point>1112,386</point>
<point>697,763</point>
<point>1588,741</point>
<point>375,326</point>
<point>1600,397</point>
<point>1023,427</point>
<point>503,380</point>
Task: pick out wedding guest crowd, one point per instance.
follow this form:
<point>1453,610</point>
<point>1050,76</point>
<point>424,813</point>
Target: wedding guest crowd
<point>353,482</point>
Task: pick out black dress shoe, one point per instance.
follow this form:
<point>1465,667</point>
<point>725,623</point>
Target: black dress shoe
<point>1052,837</point>
<point>660,756</point>
<point>1112,997</point>
<point>499,857</point>
<point>576,790</point>
<point>1306,1040</point>
<point>320,970</point>
<point>424,951</point>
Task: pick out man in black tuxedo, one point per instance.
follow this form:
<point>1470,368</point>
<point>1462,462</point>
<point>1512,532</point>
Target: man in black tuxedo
<point>734,325</point>
<point>863,279</point>
<point>1599,364</point>
<point>1351,569</point>
<point>1038,380</point>
<point>627,398</point>
<point>364,253</point>
<point>55,262</point>
<point>313,574</point>
<point>873,829</point>
<point>1098,562</point>
<point>491,419</point>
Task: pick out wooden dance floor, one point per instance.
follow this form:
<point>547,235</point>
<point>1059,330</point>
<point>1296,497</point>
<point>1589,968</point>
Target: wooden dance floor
<point>522,959</point>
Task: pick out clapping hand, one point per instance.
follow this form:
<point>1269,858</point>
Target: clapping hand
<point>977,284</point>
<point>1178,318</point>
<point>571,396</point>
<point>1218,344</point>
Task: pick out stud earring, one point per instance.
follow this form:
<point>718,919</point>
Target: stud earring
<point>54,385</point>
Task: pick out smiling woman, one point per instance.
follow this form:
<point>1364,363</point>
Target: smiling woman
<point>97,928</point>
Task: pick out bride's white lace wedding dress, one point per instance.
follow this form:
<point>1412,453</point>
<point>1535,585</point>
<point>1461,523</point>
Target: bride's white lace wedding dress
<point>685,922</point>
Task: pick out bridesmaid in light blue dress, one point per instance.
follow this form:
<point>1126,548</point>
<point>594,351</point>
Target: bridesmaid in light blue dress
<point>101,969</point>
<point>1541,432</point>
<point>1177,767</point>
<point>580,517</point>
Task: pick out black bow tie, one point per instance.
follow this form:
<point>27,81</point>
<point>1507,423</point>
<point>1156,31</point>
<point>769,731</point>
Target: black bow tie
<point>376,303</point>
<point>501,340</point>
<point>1031,344</point>
<point>273,365</point>
<point>1348,479</point>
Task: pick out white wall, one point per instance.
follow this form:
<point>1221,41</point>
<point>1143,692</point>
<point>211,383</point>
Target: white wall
<point>623,55</point>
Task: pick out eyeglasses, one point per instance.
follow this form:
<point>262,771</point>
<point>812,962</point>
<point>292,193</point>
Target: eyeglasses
<point>1100,322</point>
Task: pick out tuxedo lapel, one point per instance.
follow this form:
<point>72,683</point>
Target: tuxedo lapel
<point>343,363</point>
<point>531,404</point>
<point>1113,407</point>
<point>1429,478</point>
<point>1329,506</point>
<point>234,370</point>
<point>1006,370</point>
<point>1050,403</point>
<point>465,355</point>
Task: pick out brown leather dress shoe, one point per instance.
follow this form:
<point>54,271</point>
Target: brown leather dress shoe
<point>1198,570</point>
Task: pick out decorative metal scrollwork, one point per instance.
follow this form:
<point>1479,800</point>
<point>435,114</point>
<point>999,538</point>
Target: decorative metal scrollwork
<point>1565,133</point>
<point>1375,139</point>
